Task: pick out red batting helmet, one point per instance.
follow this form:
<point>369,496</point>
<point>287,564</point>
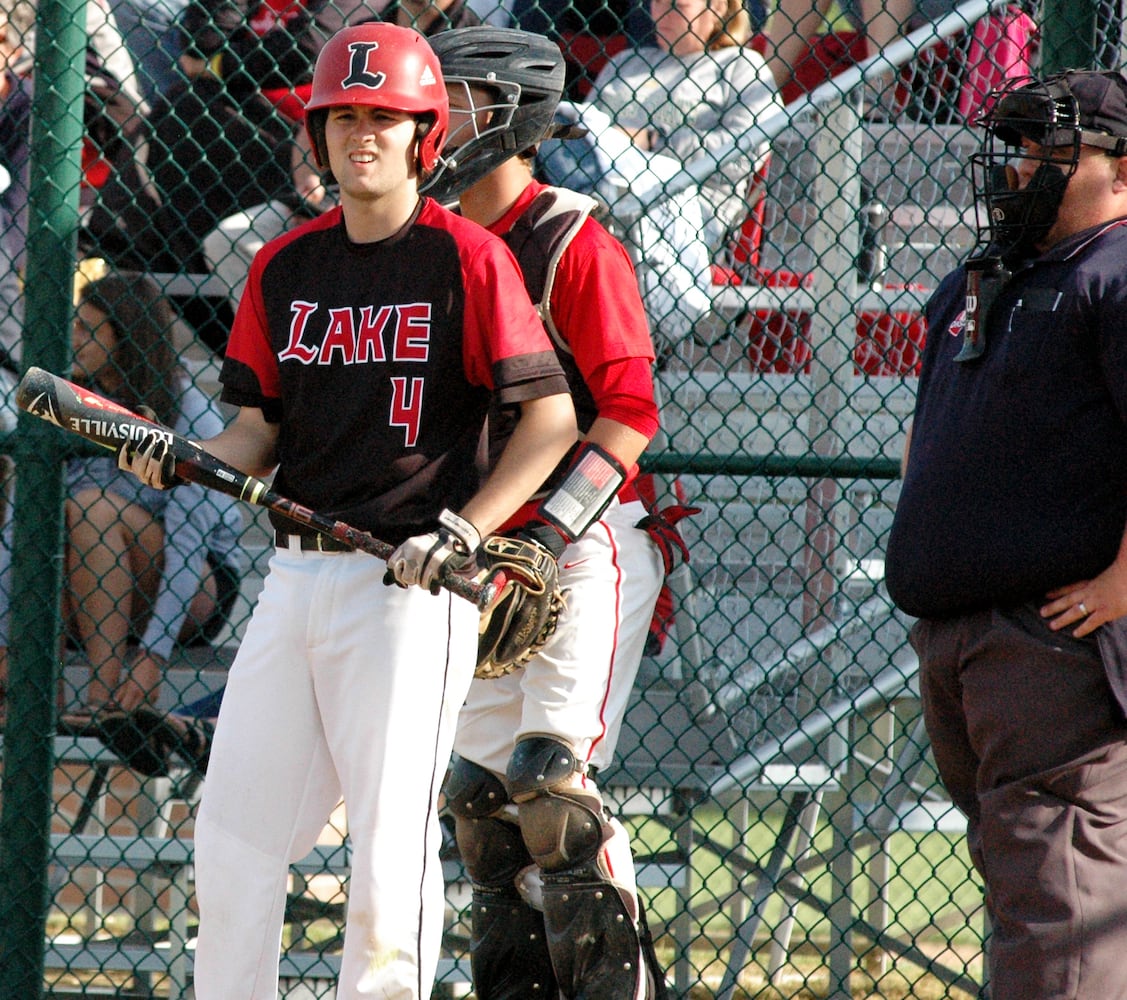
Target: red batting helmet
<point>385,66</point>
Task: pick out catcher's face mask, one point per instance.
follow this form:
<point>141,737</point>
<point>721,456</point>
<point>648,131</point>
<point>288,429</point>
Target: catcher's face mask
<point>1028,156</point>
<point>510,81</point>
<point>481,117</point>
<point>1038,123</point>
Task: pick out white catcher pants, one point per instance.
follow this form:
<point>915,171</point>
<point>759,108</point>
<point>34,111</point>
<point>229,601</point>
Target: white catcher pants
<point>342,686</point>
<point>576,689</point>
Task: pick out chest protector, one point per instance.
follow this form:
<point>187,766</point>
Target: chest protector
<point>538,241</point>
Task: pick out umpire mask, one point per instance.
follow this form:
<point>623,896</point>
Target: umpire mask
<point>1044,121</point>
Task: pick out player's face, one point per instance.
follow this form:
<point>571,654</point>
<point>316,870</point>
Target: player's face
<point>684,26</point>
<point>371,150</point>
<point>470,111</point>
<point>94,340</point>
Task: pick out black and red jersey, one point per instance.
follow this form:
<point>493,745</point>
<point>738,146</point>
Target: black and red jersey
<point>379,361</point>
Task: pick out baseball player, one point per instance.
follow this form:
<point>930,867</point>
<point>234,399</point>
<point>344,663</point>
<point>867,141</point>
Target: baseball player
<point>555,907</point>
<point>364,355</point>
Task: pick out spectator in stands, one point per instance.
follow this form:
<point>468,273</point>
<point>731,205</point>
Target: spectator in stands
<point>146,569</point>
<point>810,42</point>
<point>122,218</point>
<point>104,41</point>
<point>154,41</point>
<point>695,93</point>
<point>689,100</point>
<point>223,140</point>
<point>1009,541</point>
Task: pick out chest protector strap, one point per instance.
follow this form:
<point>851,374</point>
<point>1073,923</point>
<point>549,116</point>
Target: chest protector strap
<point>538,241</point>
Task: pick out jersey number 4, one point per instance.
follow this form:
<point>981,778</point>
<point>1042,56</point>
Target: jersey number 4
<point>406,407</point>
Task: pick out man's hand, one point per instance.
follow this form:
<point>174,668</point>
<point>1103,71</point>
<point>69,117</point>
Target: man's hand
<point>1088,604</point>
<point>421,558</point>
<point>151,460</point>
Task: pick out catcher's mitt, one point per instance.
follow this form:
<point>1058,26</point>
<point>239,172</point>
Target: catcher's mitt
<point>523,616</point>
<point>148,741</point>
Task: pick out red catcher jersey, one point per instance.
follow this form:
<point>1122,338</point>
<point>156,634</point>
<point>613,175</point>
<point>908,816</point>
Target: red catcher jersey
<point>379,360</point>
<point>597,312</point>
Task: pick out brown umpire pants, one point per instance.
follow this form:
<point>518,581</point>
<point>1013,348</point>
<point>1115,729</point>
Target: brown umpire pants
<point>1032,746</point>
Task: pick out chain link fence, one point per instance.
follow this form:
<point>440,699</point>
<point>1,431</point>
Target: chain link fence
<point>792,838</point>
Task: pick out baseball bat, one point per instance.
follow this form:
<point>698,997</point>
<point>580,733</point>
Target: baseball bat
<point>76,409</point>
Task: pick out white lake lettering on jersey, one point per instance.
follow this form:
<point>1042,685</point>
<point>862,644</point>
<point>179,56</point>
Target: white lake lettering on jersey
<point>351,336</point>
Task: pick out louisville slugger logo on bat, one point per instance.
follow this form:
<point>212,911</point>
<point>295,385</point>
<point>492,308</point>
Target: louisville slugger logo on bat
<point>39,394</point>
<point>80,411</point>
<point>40,397</point>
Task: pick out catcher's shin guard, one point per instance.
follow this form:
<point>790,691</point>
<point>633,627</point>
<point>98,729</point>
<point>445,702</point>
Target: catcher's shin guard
<point>509,956</point>
<point>593,938</point>
<point>591,918</point>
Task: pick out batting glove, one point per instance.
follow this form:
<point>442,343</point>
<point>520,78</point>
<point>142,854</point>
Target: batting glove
<point>421,559</point>
<point>662,528</point>
<point>151,460</point>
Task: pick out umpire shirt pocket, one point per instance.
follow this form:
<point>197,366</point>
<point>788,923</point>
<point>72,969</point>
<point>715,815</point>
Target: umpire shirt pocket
<point>1034,327</point>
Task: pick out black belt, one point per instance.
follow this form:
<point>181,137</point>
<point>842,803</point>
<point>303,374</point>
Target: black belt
<point>312,543</point>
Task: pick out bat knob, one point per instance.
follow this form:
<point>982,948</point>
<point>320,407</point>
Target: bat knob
<point>486,596</point>
<point>35,387</point>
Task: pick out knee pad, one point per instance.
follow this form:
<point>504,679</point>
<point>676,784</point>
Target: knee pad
<point>493,851</point>
<point>563,826</point>
<point>491,847</point>
<point>472,791</point>
<point>540,763</point>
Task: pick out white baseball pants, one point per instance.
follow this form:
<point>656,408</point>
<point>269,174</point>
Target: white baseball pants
<point>342,686</point>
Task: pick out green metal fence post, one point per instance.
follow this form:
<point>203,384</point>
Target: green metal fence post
<point>1068,35</point>
<point>25,819</point>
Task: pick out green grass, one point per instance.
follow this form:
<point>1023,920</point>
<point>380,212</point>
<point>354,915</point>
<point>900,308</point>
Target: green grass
<point>932,907</point>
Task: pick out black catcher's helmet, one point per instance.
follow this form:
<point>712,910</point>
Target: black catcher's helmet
<point>524,72</point>
<point>1059,114</point>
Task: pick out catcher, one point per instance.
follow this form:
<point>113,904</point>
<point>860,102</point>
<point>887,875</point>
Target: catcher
<point>555,906</point>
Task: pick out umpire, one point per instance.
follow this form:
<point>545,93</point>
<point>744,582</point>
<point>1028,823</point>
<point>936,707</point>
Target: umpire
<point>1008,543</point>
